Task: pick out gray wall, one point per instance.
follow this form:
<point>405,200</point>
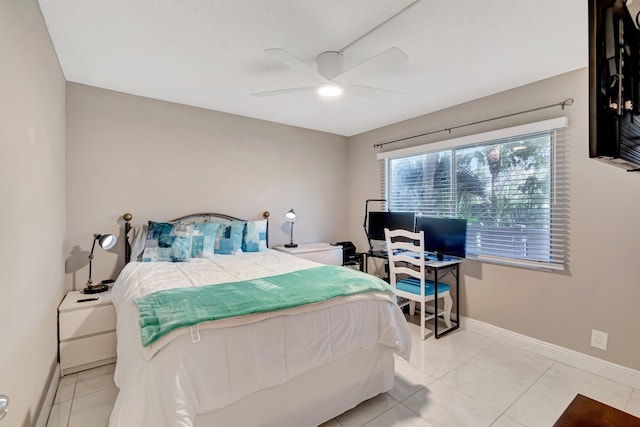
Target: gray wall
<point>32,193</point>
<point>160,160</point>
<point>601,288</point>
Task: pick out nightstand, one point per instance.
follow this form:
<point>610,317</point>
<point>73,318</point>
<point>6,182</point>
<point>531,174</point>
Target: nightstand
<point>319,252</point>
<point>86,331</point>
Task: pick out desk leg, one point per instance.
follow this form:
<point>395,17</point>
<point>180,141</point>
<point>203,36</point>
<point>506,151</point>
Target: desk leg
<point>435,304</point>
<point>457,321</point>
<point>457,296</point>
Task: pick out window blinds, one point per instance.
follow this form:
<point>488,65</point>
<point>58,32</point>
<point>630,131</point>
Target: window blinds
<point>509,184</point>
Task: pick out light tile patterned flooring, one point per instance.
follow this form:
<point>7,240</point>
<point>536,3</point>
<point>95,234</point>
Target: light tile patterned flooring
<point>463,379</point>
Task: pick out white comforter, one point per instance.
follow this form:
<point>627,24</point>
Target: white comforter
<point>196,371</point>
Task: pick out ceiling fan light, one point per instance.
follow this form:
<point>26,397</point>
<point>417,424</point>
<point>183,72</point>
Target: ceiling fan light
<point>329,89</point>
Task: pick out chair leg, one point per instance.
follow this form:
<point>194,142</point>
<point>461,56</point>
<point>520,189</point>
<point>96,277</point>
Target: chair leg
<point>412,308</point>
<point>448,305</point>
<point>422,318</point>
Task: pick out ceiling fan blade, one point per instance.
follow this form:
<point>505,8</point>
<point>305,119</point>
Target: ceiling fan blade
<point>378,63</point>
<point>295,64</point>
<point>368,90</point>
<point>285,91</point>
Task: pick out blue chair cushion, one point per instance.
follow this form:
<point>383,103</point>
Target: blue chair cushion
<point>412,285</point>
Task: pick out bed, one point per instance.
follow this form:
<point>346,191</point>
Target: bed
<point>297,366</point>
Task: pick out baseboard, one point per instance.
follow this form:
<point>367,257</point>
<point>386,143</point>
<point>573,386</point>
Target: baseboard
<point>47,403</point>
<point>603,368</point>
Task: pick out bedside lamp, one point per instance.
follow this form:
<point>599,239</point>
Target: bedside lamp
<point>291,217</point>
<point>106,241</point>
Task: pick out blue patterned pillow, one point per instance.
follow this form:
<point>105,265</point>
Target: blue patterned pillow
<point>229,239</point>
<point>254,238</point>
<point>167,241</point>
<point>203,239</point>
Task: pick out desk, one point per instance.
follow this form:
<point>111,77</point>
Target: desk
<point>448,265</point>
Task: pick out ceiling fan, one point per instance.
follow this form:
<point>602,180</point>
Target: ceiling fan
<point>331,78</point>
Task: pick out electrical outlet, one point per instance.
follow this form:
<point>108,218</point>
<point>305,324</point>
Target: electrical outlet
<point>599,339</point>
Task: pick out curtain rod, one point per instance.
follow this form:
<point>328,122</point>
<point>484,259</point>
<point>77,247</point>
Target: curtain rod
<point>567,102</point>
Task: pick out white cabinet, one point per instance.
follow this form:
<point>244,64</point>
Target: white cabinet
<point>324,253</point>
<point>87,331</point>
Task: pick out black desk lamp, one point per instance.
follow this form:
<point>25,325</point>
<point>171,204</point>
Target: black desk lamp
<point>291,217</point>
<point>106,241</point>
<point>366,213</point>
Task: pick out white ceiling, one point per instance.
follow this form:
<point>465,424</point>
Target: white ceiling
<point>210,53</point>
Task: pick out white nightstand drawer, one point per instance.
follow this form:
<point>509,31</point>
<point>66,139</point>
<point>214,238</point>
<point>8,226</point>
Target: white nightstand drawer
<point>330,257</point>
<point>87,350</point>
<point>79,323</point>
<point>319,252</point>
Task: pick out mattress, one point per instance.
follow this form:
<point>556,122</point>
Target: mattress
<point>201,370</point>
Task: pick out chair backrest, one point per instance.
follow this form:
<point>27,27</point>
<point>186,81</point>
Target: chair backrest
<point>405,251</point>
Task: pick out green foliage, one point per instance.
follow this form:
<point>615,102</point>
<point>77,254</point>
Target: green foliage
<point>501,183</point>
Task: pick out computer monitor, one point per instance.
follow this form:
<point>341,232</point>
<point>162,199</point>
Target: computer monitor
<point>444,235</point>
<point>378,221</point>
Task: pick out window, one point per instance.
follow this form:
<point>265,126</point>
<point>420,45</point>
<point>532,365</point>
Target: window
<point>505,183</point>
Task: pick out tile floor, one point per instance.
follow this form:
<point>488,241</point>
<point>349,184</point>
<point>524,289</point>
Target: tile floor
<point>463,379</point>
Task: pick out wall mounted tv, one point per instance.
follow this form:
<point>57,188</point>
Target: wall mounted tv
<point>614,82</point>
<point>444,235</point>
<point>378,221</point>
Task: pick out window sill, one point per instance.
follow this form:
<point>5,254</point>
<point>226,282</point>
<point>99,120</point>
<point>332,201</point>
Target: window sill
<point>534,265</point>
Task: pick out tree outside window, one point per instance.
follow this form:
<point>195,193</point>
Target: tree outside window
<point>503,188</point>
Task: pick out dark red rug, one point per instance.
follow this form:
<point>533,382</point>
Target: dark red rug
<point>586,412</point>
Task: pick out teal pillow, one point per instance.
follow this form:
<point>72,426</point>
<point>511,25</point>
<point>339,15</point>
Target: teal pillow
<point>203,239</point>
<point>168,241</point>
<point>254,238</point>
<point>229,240</point>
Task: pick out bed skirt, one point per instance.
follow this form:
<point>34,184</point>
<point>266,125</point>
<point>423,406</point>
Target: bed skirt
<point>315,396</point>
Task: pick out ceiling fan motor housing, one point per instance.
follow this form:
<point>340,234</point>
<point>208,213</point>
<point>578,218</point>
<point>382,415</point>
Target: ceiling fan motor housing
<point>330,64</point>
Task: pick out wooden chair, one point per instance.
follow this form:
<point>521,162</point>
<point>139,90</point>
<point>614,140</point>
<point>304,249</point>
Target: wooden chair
<point>405,251</point>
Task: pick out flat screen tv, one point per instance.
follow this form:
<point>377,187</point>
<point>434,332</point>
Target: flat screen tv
<point>378,221</point>
<point>444,235</point>
<point>614,82</point>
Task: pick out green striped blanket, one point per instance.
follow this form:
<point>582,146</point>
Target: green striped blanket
<point>164,311</point>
